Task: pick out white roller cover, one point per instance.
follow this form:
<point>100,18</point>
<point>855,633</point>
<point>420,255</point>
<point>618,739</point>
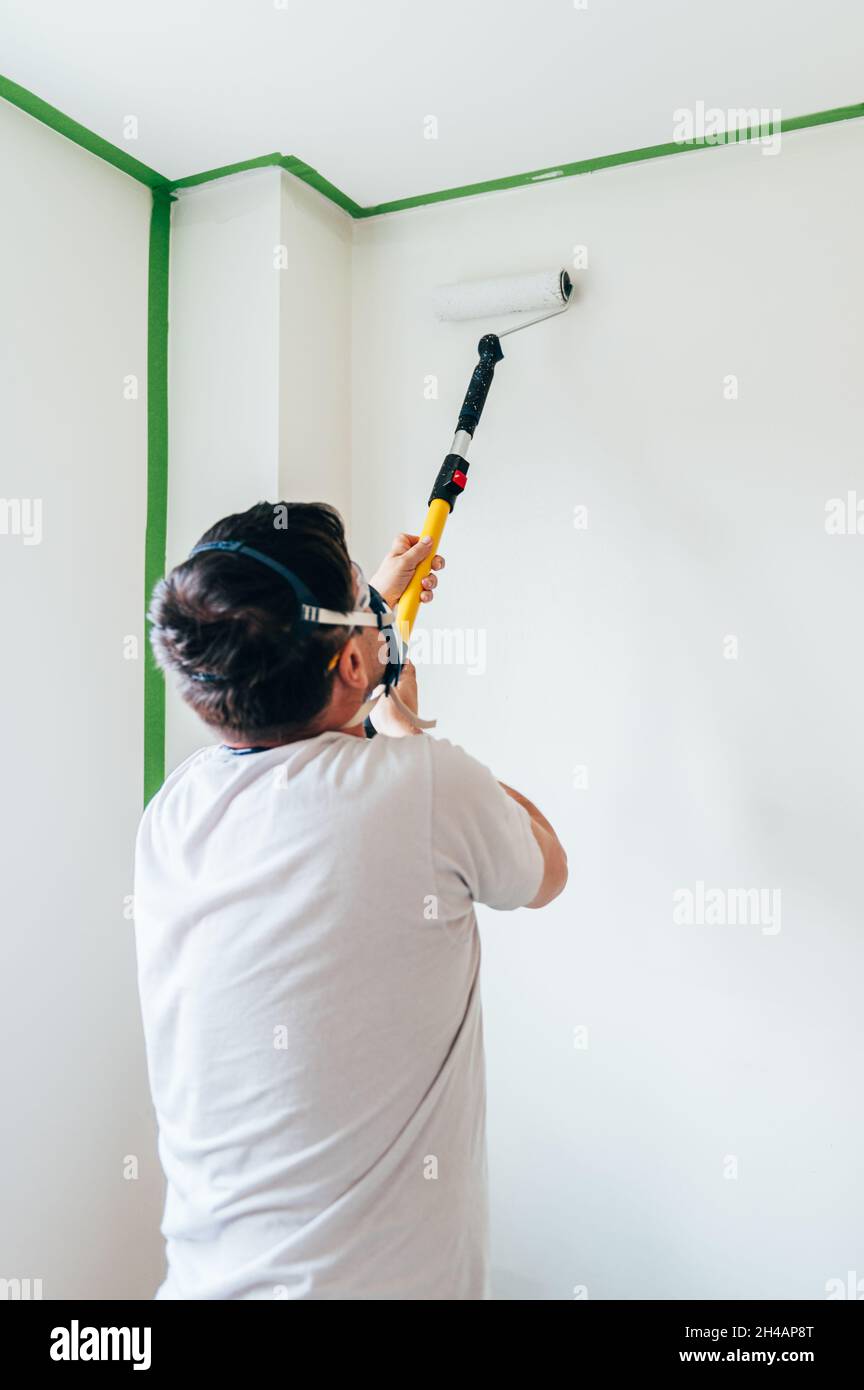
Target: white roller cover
<point>510,294</point>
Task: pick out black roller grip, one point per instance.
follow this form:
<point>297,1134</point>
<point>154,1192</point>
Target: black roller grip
<point>490,352</point>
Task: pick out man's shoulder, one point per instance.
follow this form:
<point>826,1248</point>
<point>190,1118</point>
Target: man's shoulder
<point>177,775</point>
<point>447,768</point>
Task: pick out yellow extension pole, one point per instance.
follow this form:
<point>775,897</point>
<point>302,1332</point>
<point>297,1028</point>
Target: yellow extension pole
<point>409,604</point>
<point>452,477</point>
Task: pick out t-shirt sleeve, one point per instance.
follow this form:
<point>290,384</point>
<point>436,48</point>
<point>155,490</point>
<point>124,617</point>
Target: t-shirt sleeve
<point>481,837</point>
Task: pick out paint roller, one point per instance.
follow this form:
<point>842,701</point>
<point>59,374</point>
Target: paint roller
<point>550,291</point>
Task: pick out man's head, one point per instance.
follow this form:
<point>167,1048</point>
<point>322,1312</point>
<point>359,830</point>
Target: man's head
<point>230,630</point>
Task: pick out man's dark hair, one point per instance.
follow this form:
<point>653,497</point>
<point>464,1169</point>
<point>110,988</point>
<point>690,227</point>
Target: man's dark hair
<point>231,617</point>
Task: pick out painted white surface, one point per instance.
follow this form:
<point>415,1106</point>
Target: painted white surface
<point>314,349</point>
<point>348,87</point>
<point>259,363</point>
<point>605,649</point>
<point>74,291</point>
<point>223,364</point>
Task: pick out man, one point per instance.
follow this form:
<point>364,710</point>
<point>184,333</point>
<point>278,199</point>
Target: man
<point>307,946</point>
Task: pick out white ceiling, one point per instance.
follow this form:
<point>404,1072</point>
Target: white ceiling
<point>515,85</point>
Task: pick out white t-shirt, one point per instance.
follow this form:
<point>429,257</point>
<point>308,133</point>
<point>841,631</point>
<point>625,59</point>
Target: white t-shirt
<point>308,963</point>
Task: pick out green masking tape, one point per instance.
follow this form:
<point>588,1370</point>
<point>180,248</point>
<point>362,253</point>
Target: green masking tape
<point>291,163</point>
<point>554,172</point>
<point>49,115</point>
<point>157,478</point>
<point>79,134</point>
<point>550,174</point>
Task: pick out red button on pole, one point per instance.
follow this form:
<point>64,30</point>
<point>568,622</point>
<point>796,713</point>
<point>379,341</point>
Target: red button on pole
<point>459,478</point>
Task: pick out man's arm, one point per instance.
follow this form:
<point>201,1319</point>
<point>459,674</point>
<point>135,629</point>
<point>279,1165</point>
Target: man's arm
<point>388,720</point>
<point>554,855</point>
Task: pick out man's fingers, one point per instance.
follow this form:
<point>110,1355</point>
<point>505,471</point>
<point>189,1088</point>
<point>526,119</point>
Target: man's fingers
<point>406,541</point>
<point>418,550</point>
<point>429,582</point>
<point>403,542</point>
<point>412,549</point>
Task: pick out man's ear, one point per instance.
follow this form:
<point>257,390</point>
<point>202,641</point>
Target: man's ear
<point>350,667</point>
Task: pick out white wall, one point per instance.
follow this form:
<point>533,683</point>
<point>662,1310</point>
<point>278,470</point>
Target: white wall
<point>223,366</point>
<point>259,353</point>
<point>315,349</point>
<point>605,649</point>
<point>74,241</point>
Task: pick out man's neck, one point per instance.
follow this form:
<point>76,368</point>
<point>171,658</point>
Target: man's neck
<point>323,726</point>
